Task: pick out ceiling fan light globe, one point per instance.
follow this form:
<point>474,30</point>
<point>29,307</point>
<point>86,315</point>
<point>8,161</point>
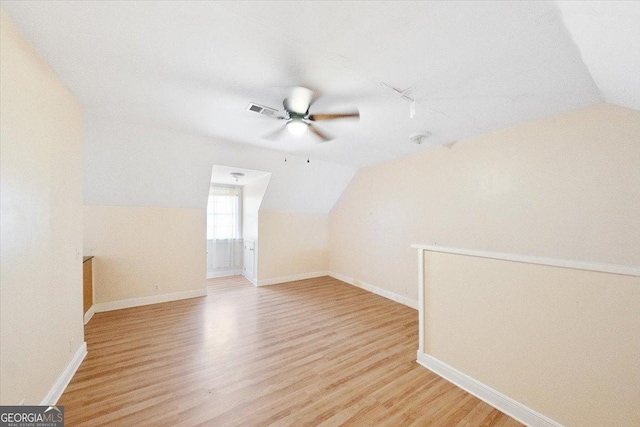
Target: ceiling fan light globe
<point>297,127</point>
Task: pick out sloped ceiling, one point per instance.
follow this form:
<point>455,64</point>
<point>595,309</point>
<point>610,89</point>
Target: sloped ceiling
<point>165,84</point>
<point>222,175</point>
<point>134,165</point>
<point>470,66</point>
<point>608,36</point>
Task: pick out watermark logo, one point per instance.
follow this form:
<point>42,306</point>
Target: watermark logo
<point>31,416</point>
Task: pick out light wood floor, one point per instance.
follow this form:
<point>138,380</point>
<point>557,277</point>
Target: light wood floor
<point>313,352</point>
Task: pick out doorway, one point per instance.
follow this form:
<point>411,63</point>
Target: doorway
<point>235,196</point>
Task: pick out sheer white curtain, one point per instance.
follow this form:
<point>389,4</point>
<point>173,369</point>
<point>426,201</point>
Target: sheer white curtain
<point>224,228</point>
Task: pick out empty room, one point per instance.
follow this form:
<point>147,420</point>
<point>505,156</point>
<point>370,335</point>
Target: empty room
<point>305,213</point>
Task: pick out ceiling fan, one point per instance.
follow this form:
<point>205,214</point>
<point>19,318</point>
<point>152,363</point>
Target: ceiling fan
<point>297,116</point>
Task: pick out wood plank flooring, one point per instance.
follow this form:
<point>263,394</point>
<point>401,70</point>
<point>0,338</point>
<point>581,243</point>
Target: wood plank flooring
<point>315,352</point>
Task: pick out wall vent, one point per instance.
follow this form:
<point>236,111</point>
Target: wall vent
<point>260,109</point>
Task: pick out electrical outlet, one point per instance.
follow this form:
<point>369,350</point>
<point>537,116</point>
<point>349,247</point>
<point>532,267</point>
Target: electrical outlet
<point>156,287</point>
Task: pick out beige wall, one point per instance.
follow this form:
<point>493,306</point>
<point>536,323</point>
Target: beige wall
<point>563,342</point>
<point>136,249</point>
<point>565,187</point>
<point>292,243</point>
<point>41,208</point>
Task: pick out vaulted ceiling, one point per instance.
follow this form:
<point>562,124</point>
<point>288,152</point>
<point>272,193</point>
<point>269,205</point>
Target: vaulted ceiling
<point>471,67</point>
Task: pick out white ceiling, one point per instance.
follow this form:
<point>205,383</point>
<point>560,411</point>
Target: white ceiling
<point>471,66</point>
<point>222,175</point>
<point>608,36</point>
<point>133,165</point>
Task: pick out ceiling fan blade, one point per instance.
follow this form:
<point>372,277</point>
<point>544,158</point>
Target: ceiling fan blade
<point>322,135</point>
<point>277,134</point>
<point>352,115</point>
<point>299,100</point>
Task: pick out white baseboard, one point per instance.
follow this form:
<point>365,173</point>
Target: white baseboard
<point>376,290</point>
<point>485,393</point>
<point>153,299</point>
<point>65,377</point>
<point>284,279</point>
<point>226,273</point>
<point>89,314</point>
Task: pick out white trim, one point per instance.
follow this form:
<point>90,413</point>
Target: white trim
<point>555,262</point>
<point>376,290</point>
<point>293,278</point>
<point>251,279</point>
<point>51,398</point>
<point>483,392</point>
<point>421,301</point>
<point>225,273</point>
<point>153,299</point>
<point>89,314</point>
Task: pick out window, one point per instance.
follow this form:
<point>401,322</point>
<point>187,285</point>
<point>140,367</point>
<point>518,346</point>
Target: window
<point>224,213</point>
